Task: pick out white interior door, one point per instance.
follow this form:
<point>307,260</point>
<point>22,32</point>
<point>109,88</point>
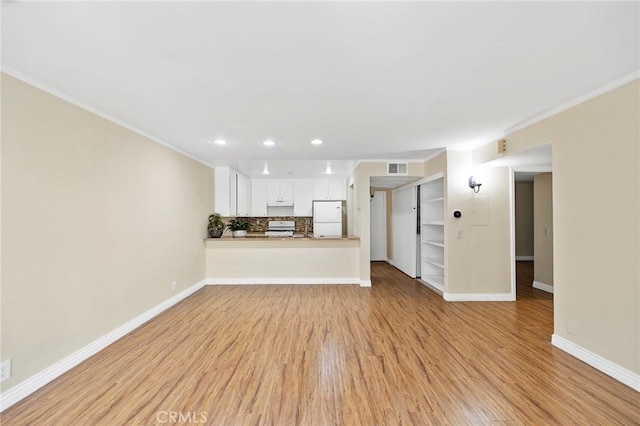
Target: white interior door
<point>404,230</point>
<point>378,233</point>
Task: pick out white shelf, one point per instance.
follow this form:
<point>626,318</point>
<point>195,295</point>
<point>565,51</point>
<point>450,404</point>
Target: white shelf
<point>433,243</point>
<point>435,281</point>
<point>433,222</point>
<point>435,261</point>
<point>432,202</point>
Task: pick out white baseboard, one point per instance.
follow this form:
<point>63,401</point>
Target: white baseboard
<point>478,297</point>
<point>35,382</point>
<point>542,286</point>
<point>390,262</point>
<point>609,368</point>
<point>365,283</point>
<point>525,258</point>
<point>259,281</point>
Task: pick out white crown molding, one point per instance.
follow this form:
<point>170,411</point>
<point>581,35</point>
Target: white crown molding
<point>560,108</point>
<point>609,368</point>
<point>542,286</point>
<point>48,89</point>
<point>577,101</point>
<point>478,297</point>
<point>276,281</point>
<point>40,379</point>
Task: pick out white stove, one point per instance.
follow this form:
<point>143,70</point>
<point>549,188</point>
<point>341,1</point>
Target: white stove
<point>280,228</point>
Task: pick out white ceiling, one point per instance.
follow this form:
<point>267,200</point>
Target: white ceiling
<point>374,80</point>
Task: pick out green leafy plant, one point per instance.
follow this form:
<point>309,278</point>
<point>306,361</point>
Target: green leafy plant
<point>238,225</point>
<point>216,225</point>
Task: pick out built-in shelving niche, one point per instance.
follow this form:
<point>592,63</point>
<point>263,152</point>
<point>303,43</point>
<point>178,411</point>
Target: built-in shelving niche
<point>432,240</point>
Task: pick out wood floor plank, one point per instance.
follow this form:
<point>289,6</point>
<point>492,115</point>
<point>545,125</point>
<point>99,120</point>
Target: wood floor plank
<point>392,354</point>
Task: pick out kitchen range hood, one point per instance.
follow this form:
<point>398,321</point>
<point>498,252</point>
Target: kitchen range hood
<point>279,203</point>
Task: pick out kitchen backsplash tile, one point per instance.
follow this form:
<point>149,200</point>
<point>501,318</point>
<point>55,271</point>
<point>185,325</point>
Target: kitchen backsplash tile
<point>260,224</point>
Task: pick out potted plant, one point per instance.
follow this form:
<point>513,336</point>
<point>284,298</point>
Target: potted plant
<point>238,227</point>
<point>216,226</point>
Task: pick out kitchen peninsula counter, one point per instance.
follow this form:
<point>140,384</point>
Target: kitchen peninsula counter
<point>296,237</point>
<point>259,259</point>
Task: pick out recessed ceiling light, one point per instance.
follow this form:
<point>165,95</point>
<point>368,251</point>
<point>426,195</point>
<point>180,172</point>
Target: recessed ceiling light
<point>268,142</point>
<point>220,142</point>
<point>316,142</point>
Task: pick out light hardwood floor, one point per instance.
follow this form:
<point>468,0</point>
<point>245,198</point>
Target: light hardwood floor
<point>395,353</point>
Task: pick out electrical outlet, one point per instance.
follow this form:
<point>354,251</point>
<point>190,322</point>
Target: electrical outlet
<point>174,285</point>
<point>571,327</point>
<point>459,233</point>
<point>5,370</point>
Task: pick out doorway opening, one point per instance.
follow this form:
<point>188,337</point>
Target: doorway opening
<point>532,208</point>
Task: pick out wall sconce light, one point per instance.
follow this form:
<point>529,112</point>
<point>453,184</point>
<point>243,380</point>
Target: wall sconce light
<point>474,185</point>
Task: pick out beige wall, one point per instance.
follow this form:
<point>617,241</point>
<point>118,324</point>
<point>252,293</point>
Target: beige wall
<point>543,219</point>
<point>97,222</point>
<point>359,209</point>
<point>596,205</point>
<point>524,218</point>
<point>479,262</point>
<point>295,258</point>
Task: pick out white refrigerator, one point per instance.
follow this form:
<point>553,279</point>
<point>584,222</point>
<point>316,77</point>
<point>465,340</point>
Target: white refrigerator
<point>329,219</point>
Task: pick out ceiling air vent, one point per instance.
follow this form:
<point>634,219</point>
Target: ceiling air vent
<point>397,169</point>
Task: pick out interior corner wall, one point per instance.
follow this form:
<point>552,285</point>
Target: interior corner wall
<point>361,208</point>
<point>543,233</point>
<point>97,222</point>
<point>480,261</point>
<point>524,218</point>
<point>596,205</point>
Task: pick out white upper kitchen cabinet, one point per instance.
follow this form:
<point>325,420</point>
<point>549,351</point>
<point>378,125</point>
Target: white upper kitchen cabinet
<point>232,194</point>
<point>259,198</point>
<point>243,195</point>
<point>329,190</point>
<point>303,198</point>
<point>279,190</point>
<point>225,195</point>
